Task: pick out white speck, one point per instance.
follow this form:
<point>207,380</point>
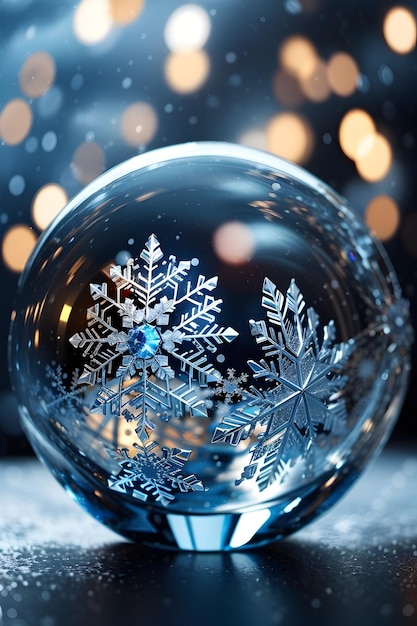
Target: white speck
<point>131,241</point>
<point>220,358</point>
<point>276,186</point>
<point>127,82</point>
<point>168,108</point>
<point>316,603</point>
<point>327,139</point>
<point>90,136</point>
<point>193,120</point>
<point>230,57</point>
<point>195,262</point>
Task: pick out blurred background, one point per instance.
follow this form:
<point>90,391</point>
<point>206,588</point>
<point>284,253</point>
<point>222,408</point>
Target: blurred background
<point>330,85</point>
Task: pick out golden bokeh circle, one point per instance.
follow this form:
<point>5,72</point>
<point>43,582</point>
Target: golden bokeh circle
<point>400,30</point>
<point>186,72</point>
<point>37,74</point>
<point>290,136</point>
<point>383,216</point>
<point>18,243</point>
<point>47,203</point>
<point>139,124</point>
<point>15,121</point>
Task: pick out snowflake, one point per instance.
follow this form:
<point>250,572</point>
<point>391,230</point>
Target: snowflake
<point>146,346</point>
<point>305,397</point>
<point>232,387</point>
<point>150,473</point>
<point>62,393</point>
<point>170,365</point>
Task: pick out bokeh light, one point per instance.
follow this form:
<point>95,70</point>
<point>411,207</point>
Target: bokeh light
<point>47,203</point>
<point>382,215</point>
<point>18,243</point>
<point>373,157</point>
<point>298,56</point>
<point>354,127</point>
<point>186,72</point>
<point>187,28</point>
<point>37,74</point>
<point>316,86</point>
<point>88,162</point>
<point>343,74</point>
<point>234,243</point>
<point>125,11</point>
<point>287,89</point>
<point>139,124</point>
<point>92,21</point>
<point>254,138</point>
<point>290,136</point>
<point>400,30</point>
<point>15,121</point>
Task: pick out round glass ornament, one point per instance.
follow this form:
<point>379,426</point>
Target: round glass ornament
<point>208,346</point>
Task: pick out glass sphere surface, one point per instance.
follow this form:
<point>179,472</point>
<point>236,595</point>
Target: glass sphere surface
<point>207,347</point>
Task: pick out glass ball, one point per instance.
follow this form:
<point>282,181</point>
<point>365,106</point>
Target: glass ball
<point>208,346</point>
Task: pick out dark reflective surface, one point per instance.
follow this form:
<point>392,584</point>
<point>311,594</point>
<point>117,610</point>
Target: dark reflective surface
<point>355,566</point>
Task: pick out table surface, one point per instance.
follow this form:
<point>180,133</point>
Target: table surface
<point>356,565</point>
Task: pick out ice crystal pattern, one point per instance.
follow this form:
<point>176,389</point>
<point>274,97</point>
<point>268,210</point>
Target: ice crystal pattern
<point>302,396</point>
<point>62,393</point>
<point>232,388</point>
<point>146,347</point>
<point>148,472</point>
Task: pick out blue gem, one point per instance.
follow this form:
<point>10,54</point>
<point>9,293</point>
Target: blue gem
<point>143,341</point>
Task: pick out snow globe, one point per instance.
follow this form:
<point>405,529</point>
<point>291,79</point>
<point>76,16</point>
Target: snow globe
<point>208,346</point>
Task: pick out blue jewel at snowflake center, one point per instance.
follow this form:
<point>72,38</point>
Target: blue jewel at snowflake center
<point>143,341</point>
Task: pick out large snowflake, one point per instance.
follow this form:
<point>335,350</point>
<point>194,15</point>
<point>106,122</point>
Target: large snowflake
<point>303,394</point>
<point>166,363</point>
<point>146,347</point>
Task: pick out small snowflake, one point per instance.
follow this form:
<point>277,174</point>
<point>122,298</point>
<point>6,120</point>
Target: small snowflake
<point>62,392</point>
<point>149,473</point>
<point>304,398</point>
<point>232,388</point>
